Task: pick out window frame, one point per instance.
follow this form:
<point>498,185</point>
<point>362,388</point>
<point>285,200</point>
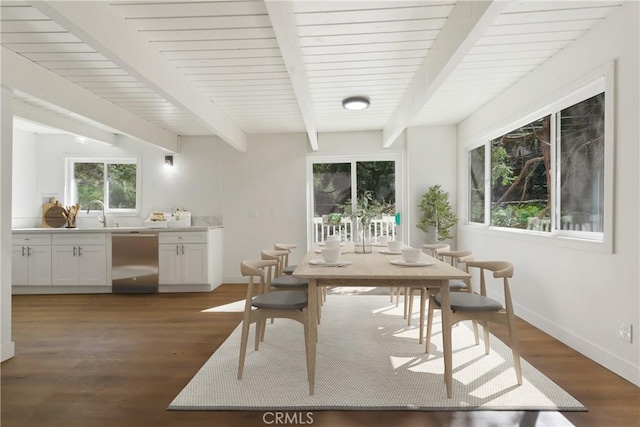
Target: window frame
<point>400,183</point>
<point>601,80</point>
<point>71,198</point>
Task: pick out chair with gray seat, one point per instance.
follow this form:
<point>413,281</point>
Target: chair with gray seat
<point>480,308</point>
<point>280,280</point>
<point>287,269</point>
<point>290,304</point>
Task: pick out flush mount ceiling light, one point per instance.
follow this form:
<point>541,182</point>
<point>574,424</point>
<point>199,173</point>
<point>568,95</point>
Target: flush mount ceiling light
<point>355,103</point>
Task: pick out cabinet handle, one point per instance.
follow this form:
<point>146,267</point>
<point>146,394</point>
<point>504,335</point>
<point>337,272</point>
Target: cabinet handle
<point>79,251</point>
<point>28,251</point>
<point>182,249</point>
<point>177,250</point>
<point>23,251</point>
<point>74,251</point>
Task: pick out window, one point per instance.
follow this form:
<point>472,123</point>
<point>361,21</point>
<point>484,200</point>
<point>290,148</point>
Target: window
<point>547,175</point>
<point>337,183</point>
<point>476,185</point>
<point>520,165</point>
<point>581,158</point>
<point>115,182</point>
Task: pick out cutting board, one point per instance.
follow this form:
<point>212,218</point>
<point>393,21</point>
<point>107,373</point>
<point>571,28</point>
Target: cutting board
<point>52,216</point>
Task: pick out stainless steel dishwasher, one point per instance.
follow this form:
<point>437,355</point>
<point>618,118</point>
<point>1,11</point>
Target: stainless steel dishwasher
<point>134,257</point>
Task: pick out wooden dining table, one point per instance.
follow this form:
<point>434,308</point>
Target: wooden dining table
<point>375,270</point>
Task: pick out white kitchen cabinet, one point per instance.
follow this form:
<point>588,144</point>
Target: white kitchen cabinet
<point>183,258</point>
<point>79,260</point>
<point>31,260</point>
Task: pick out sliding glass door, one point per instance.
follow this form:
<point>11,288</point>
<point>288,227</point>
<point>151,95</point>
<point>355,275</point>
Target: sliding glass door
<point>337,184</point>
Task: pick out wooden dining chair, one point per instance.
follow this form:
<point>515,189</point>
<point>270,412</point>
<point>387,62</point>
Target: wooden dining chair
<point>280,281</point>
<point>287,269</point>
<point>479,307</point>
<point>454,259</point>
<point>290,304</point>
<point>409,293</point>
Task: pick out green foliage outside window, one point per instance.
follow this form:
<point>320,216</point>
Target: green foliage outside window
<point>112,183</point>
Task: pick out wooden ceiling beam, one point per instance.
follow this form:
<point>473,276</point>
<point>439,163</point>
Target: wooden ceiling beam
<point>284,25</point>
<point>18,73</point>
<point>101,27</point>
<point>465,25</point>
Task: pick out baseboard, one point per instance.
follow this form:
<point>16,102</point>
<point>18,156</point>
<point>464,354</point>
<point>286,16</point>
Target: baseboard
<point>44,290</point>
<point>7,351</point>
<point>186,288</point>
<point>602,356</point>
<point>234,279</point>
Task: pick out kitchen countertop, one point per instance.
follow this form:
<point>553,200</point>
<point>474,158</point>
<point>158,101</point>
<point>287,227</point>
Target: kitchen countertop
<point>110,229</point>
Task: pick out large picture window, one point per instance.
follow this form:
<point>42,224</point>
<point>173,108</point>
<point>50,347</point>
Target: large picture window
<point>520,187</point>
<point>547,175</point>
<point>112,181</point>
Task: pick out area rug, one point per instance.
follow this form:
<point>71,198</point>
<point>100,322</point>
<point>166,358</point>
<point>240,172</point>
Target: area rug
<point>367,359</point>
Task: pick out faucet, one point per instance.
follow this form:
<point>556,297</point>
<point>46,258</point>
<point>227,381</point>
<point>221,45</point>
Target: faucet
<point>102,219</point>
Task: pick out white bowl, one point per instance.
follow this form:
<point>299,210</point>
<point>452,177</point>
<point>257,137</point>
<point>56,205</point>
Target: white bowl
<point>411,254</point>
<point>332,244</point>
<point>395,245</point>
<point>331,254</point>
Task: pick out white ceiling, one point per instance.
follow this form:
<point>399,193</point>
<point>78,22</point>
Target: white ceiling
<point>156,70</point>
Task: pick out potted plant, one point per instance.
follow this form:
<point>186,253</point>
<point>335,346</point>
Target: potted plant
<point>366,209</point>
<point>437,213</point>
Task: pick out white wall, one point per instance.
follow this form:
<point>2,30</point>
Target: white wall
<point>579,296</point>
<point>7,346</point>
<point>264,199</point>
<point>431,160</point>
<point>193,183</point>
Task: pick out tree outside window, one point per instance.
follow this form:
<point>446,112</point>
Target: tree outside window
<point>581,155</point>
<point>112,182</point>
<point>521,183</point>
<point>520,165</point>
<point>476,185</point>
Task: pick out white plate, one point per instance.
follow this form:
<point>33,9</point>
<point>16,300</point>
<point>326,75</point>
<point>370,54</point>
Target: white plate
<point>421,263</point>
<point>380,245</point>
<point>342,251</point>
<point>322,244</point>
<point>390,252</point>
<point>323,263</point>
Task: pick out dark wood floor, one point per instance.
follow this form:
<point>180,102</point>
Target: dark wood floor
<point>119,360</point>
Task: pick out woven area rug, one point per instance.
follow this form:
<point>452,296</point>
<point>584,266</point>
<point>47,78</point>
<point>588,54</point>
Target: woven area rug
<point>367,359</point>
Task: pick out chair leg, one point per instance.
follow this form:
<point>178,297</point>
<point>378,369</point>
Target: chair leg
<point>513,336</point>
<point>263,328</point>
<point>485,328</point>
<point>475,331</point>
<point>391,292</point>
<point>243,345</point>
<point>429,323</point>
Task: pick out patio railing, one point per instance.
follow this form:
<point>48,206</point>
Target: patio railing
<point>385,226</point>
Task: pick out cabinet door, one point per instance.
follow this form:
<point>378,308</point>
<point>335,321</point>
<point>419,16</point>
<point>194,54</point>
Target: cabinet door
<point>39,265</point>
<point>64,265</point>
<point>92,265</point>
<point>194,264</point>
<point>169,264</point>
<point>19,265</point>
